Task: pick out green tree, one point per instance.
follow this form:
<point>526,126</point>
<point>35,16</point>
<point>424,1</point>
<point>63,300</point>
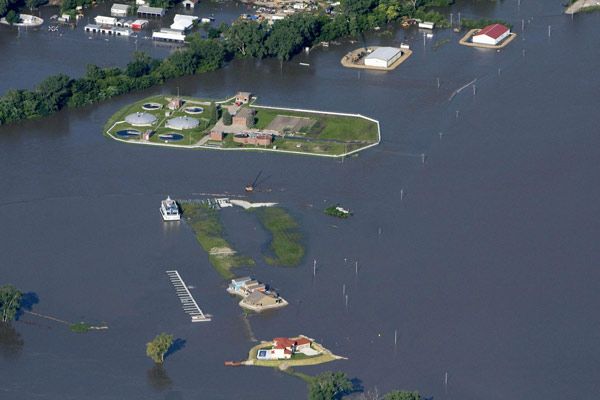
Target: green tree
<point>157,348</point>
<point>328,386</point>
<point>403,395</point>
<point>12,17</point>
<point>213,113</point>
<point>31,4</point>
<point>10,301</point>
<point>247,39</point>
<point>226,117</point>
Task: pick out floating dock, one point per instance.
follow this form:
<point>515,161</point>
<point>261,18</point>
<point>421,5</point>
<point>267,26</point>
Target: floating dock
<point>188,303</point>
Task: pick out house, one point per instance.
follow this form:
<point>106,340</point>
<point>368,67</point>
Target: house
<point>64,18</point>
<point>242,116</point>
<point>169,35</point>
<point>260,299</point>
<point>236,283</point>
<point>140,2</point>
<point>189,3</point>
<point>427,25</point>
<point>119,10</point>
<point>139,24</point>
<point>243,97</point>
<point>251,286</point>
<point>491,34</point>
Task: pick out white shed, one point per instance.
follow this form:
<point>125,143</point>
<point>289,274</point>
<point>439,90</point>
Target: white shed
<point>383,57</point>
<point>119,10</point>
<point>102,20</point>
<point>189,3</point>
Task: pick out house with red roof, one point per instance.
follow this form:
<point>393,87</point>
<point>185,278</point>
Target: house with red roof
<point>491,34</point>
<point>283,348</point>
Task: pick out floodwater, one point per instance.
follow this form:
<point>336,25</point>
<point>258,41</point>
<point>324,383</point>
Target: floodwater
<point>486,268</point>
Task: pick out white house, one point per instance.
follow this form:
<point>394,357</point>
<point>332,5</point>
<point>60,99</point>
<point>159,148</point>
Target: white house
<point>119,10</point>
<point>101,20</point>
<point>491,34</point>
<point>169,35</point>
<point>383,57</point>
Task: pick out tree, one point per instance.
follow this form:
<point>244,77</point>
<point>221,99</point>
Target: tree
<point>213,114</point>
<point>31,4</point>
<point>328,386</point>
<point>12,17</point>
<point>250,121</point>
<point>10,301</point>
<point>157,348</point>
<point>226,117</point>
<point>403,395</point>
<point>247,38</point>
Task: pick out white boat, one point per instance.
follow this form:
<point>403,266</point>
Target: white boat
<point>169,210</point>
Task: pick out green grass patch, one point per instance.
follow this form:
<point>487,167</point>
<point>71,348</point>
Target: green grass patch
<point>333,211</point>
<point>441,42</point>
<point>209,232</point>
<point>80,327</point>
<point>306,378</point>
<point>286,242</point>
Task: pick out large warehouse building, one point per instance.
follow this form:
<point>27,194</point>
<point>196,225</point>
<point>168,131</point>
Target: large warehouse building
<point>383,57</point>
<point>491,34</point>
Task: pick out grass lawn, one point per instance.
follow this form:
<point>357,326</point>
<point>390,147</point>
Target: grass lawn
<point>328,126</point>
<point>205,223</point>
<point>286,242</point>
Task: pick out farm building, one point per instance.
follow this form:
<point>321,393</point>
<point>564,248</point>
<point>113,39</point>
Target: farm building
<point>383,57</point>
<point>491,34</point>
<point>242,116</point>
<point>119,10</point>
<point>189,3</point>
<point>140,119</point>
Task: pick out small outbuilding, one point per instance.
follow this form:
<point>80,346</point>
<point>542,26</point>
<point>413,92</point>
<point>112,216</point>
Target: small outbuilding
<point>189,3</point>
<point>102,20</point>
<point>242,116</point>
<point>218,136</point>
<point>139,24</point>
<point>243,97</point>
<point>181,123</point>
<point>141,119</point>
<point>119,10</point>
<point>491,34</point>
<point>383,57</point>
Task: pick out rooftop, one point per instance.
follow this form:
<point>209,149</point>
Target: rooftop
<point>244,112</point>
<point>123,7</point>
<point>493,31</point>
<point>385,53</point>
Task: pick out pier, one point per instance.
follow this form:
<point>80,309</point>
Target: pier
<point>188,303</point>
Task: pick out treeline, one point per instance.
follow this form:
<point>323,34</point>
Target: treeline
<point>58,91</point>
<point>283,39</point>
<point>481,23</point>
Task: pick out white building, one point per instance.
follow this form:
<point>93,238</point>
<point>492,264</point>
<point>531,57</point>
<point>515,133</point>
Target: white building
<point>151,11</point>
<point>101,20</point>
<point>183,22</point>
<point>189,3</point>
<point>169,35</point>
<point>427,25</point>
<point>119,10</point>
<point>383,57</point>
<point>491,34</point>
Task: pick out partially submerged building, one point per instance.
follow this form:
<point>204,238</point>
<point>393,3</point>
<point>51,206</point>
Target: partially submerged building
<point>491,35</point>
<point>169,35</point>
<point>119,10</point>
<point>383,57</point>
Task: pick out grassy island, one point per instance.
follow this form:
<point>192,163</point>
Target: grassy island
<point>286,242</point>
<point>322,355</point>
<point>209,231</point>
<point>337,211</point>
<point>230,125</point>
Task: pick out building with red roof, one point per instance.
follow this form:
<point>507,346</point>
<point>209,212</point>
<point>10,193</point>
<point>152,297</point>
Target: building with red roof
<point>283,348</point>
<point>491,34</point>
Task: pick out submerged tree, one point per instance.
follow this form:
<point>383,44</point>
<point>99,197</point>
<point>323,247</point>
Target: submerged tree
<point>403,395</point>
<point>10,301</point>
<point>329,386</point>
<point>157,348</point>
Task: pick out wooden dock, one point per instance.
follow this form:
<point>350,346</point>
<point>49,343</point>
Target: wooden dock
<point>188,303</point>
